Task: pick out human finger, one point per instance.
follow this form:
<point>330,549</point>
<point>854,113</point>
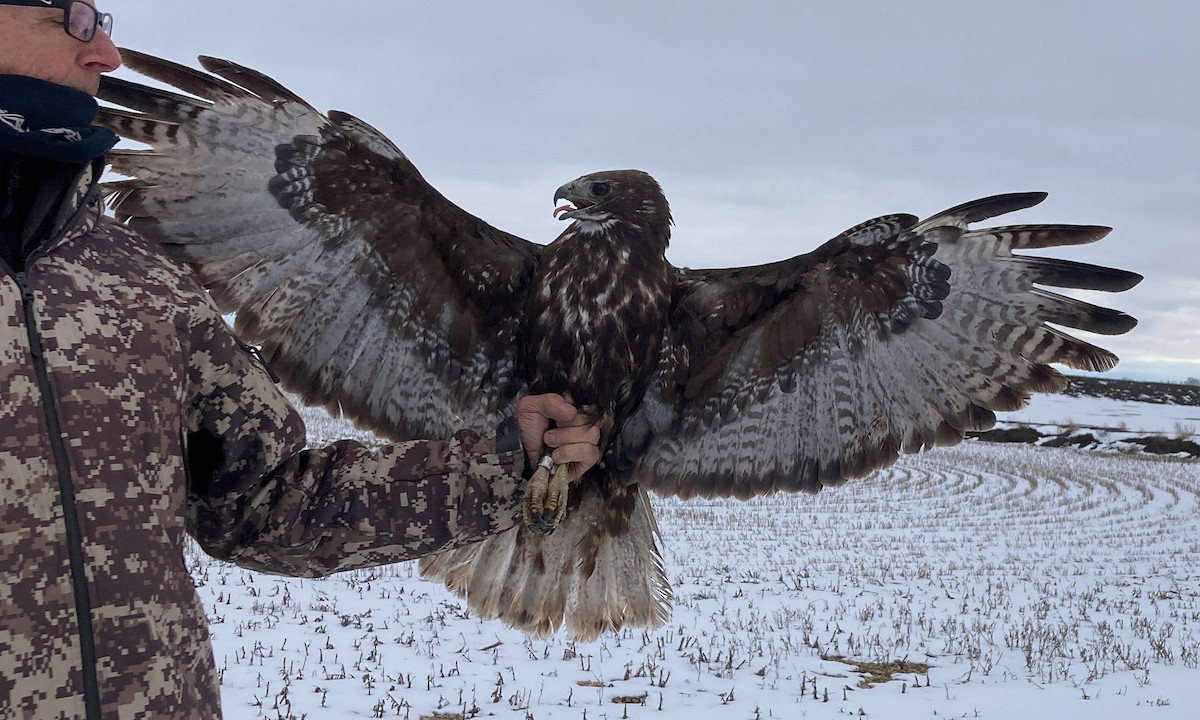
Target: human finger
<point>570,434</point>
<point>585,455</point>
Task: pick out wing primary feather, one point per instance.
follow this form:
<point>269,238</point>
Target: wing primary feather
<point>1083,276</point>
<point>1062,310</point>
<point>254,81</point>
<point>158,103</point>
<point>1039,237</point>
<point>981,209</point>
<point>1080,355</point>
<point>187,79</point>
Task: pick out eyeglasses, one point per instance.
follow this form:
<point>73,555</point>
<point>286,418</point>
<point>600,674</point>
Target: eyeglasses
<point>80,20</point>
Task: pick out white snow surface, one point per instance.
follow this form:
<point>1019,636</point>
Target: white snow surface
<point>1034,582</point>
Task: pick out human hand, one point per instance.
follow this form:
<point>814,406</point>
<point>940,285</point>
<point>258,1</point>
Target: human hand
<point>575,439</point>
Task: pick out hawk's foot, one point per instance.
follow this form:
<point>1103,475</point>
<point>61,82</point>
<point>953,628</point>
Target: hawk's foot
<point>545,504</point>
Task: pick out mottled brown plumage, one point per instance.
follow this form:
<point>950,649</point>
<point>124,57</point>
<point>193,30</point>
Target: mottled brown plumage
<point>597,310</point>
<point>372,294</point>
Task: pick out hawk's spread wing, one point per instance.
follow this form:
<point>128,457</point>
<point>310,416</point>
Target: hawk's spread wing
<point>365,287</point>
<point>896,335</point>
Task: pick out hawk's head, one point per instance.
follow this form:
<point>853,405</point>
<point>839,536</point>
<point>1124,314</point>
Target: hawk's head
<point>612,195</point>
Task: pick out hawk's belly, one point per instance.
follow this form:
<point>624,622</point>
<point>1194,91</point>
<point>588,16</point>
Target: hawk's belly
<point>595,322</point>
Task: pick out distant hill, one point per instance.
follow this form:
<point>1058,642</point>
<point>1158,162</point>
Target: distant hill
<point>1137,390</point>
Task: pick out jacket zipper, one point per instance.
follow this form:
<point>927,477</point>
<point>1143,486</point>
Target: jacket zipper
<point>83,604</point>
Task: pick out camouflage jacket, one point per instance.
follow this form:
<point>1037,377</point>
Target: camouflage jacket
<point>113,364</point>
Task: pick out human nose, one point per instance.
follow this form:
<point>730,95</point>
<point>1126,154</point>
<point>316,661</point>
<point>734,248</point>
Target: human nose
<point>100,54</point>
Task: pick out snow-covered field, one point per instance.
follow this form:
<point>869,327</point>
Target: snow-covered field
<point>1115,417</point>
<point>984,581</point>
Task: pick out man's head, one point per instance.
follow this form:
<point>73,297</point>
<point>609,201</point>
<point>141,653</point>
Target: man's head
<point>33,43</point>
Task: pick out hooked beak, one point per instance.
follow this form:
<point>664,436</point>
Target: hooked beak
<point>573,205</point>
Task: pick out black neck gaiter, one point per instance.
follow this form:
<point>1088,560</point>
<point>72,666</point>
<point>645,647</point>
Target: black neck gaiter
<point>46,139</point>
<point>52,122</point>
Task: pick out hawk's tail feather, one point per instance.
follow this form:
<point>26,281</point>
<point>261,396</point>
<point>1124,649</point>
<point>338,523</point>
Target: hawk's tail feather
<point>601,570</point>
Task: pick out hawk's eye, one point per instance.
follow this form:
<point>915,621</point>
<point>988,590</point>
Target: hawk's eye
<point>600,189</point>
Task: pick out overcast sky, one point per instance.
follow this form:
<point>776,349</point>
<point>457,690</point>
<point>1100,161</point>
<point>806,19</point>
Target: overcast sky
<point>772,126</point>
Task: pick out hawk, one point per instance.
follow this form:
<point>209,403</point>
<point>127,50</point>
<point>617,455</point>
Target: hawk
<point>372,294</point>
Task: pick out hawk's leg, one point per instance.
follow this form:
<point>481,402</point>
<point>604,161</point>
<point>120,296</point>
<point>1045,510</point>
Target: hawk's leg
<point>546,495</point>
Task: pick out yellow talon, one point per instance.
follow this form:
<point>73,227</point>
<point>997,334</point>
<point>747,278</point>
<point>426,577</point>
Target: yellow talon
<point>546,496</point>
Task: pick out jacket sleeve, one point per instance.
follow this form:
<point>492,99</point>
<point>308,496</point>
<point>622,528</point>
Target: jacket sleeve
<point>259,498</point>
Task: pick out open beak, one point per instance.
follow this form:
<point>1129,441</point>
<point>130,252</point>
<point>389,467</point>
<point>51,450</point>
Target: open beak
<point>567,210</point>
